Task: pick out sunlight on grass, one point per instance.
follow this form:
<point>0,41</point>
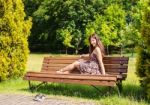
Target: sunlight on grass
<point>13,86</point>
<point>132,92</point>
<point>35,61</point>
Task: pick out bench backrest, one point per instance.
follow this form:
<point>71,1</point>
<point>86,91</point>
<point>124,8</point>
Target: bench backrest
<point>113,65</point>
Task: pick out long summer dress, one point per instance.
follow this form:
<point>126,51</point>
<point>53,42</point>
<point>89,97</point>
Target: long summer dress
<point>90,66</point>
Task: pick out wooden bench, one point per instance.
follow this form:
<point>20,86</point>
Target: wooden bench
<point>116,68</point>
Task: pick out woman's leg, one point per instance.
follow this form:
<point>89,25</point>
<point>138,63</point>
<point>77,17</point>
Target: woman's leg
<point>69,68</point>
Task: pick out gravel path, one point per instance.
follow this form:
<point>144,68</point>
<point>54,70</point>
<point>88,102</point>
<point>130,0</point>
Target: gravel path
<point>28,100</point>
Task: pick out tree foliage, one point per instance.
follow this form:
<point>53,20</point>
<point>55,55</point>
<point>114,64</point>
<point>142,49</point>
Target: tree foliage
<point>109,25</point>
<point>14,32</point>
<point>108,18</point>
<point>143,60</point>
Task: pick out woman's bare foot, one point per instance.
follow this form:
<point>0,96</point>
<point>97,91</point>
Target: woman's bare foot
<point>66,72</point>
<point>62,72</point>
<point>59,71</point>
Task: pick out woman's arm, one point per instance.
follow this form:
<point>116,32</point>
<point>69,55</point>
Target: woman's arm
<point>100,59</point>
<point>84,55</point>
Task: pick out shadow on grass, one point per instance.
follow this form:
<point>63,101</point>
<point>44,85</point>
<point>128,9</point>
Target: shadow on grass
<point>129,91</point>
<point>74,90</point>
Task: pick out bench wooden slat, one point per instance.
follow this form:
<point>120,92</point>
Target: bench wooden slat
<point>80,77</point>
<point>78,73</point>
<point>57,59</point>
<point>71,61</point>
<point>67,60</point>
<point>84,82</point>
<point>72,74</point>
<point>75,58</point>
<point>106,66</point>
<point>122,76</point>
<point>117,70</point>
<point>62,58</point>
<point>114,62</point>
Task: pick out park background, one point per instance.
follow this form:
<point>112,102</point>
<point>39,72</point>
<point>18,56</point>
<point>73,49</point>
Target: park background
<point>32,29</point>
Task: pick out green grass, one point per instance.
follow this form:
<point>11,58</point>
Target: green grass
<point>132,92</point>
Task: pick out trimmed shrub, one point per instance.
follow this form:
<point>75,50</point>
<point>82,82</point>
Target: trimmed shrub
<point>14,32</point>
<point>143,60</point>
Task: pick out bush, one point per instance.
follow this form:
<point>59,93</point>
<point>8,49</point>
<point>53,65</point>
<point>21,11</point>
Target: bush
<point>14,31</point>
<point>143,60</point>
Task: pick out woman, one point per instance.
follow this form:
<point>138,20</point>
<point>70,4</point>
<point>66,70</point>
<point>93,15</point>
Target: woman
<point>95,63</point>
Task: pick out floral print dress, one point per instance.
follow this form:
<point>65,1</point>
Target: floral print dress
<point>90,66</point>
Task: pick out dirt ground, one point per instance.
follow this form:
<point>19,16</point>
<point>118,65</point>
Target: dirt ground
<point>8,99</point>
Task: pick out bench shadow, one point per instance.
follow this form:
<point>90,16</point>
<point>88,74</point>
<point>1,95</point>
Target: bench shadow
<point>74,90</point>
<point>89,92</point>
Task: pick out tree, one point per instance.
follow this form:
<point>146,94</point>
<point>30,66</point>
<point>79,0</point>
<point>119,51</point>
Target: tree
<point>14,32</point>
<point>65,35</point>
<point>31,6</point>
<point>131,33</point>
<point>143,60</point>
<point>109,25</point>
<point>53,15</point>
<point>108,18</point>
<point>131,38</point>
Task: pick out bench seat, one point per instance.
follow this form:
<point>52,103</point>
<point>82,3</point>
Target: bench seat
<point>109,80</point>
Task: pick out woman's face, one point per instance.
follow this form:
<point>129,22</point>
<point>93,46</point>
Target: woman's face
<point>93,41</point>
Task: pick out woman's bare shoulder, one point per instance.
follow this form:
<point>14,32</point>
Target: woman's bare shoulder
<point>97,49</point>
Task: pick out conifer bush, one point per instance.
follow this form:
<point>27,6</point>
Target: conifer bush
<point>14,32</point>
<point>143,60</point>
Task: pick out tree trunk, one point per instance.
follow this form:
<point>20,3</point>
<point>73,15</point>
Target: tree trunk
<point>76,51</point>
<point>132,51</point>
<point>121,50</point>
<point>66,51</point>
<point>107,50</point>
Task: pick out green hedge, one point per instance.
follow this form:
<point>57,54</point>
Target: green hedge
<point>143,60</point>
<point>14,32</point>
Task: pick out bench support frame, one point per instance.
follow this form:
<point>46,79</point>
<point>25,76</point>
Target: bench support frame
<point>119,87</point>
<point>32,88</point>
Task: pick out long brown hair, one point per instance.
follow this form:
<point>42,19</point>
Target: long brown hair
<point>98,43</point>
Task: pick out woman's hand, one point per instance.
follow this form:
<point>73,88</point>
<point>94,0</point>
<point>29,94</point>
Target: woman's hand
<point>82,55</point>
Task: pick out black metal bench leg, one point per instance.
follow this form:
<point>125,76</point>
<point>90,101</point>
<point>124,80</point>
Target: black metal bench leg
<point>107,93</point>
<point>29,84</point>
<point>109,90</point>
<point>32,88</point>
<point>96,88</point>
<point>119,86</point>
<point>37,86</point>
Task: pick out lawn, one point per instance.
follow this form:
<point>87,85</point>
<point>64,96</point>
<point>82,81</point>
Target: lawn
<point>132,92</point>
